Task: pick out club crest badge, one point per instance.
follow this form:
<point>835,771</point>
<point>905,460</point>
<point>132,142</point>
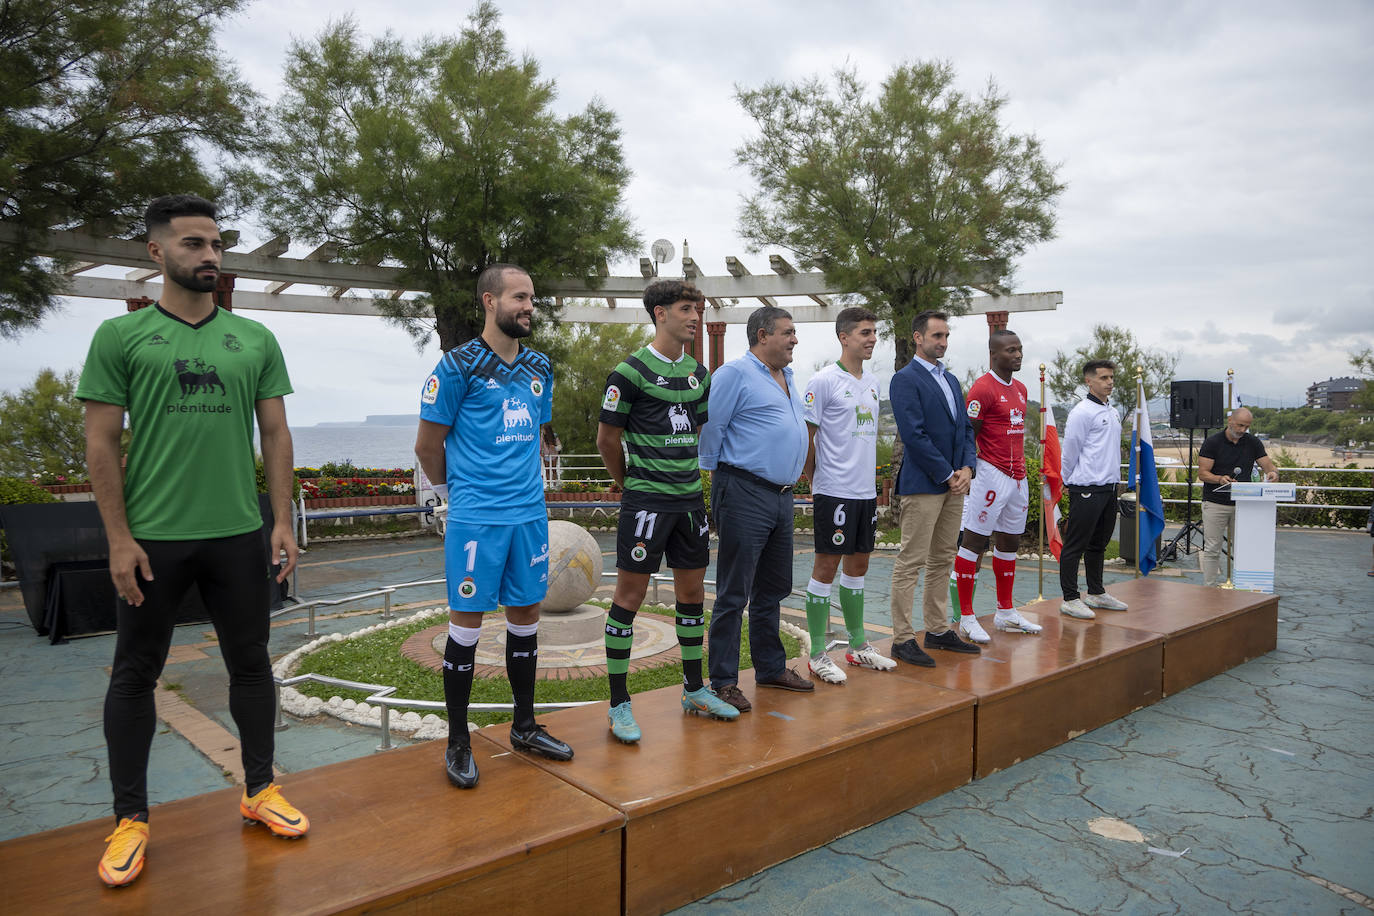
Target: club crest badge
<point>692,382</point>
<point>467,588</point>
<point>232,343</point>
<point>536,387</point>
<point>838,537</point>
<point>639,553</point>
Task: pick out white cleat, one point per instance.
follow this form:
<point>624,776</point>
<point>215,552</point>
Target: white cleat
<point>825,668</point>
<point>972,630</point>
<point>1011,621</point>
<point>1076,608</point>
<point>868,657</point>
<point>1105,602</point>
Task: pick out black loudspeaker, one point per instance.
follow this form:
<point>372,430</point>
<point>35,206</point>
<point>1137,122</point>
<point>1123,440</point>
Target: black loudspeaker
<point>1196,405</point>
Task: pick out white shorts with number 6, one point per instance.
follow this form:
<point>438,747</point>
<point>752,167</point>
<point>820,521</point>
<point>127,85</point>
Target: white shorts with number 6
<point>996,502</point>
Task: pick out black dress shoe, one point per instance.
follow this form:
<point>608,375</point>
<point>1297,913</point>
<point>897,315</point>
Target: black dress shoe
<point>911,653</point>
<point>460,766</point>
<point>788,680</point>
<point>537,740</point>
<point>950,642</point>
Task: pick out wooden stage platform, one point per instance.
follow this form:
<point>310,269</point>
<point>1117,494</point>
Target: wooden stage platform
<point>697,805</point>
<point>710,802</point>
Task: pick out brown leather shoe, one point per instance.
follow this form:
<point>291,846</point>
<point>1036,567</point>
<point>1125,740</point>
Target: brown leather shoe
<point>788,680</point>
<point>735,697</point>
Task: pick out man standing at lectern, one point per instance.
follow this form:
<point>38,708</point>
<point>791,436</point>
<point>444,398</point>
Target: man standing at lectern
<point>1224,458</point>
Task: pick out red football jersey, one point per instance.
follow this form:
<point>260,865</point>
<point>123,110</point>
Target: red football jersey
<point>1002,408</point>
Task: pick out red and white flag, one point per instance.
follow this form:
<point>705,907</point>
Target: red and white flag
<point>1052,475</point>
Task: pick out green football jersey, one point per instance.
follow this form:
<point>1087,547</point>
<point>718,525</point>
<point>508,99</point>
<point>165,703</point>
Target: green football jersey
<point>190,393</point>
<point>661,406</point>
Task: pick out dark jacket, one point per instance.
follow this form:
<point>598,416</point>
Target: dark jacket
<point>937,444</point>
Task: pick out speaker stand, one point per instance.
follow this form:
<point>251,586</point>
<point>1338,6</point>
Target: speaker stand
<point>1190,527</point>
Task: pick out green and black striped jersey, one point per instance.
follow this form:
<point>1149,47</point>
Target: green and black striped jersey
<point>661,405</point>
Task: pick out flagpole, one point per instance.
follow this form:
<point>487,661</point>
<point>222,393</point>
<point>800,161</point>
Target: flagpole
<point>1040,589</point>
<point>1230,530</point>
<point>1139,403</point>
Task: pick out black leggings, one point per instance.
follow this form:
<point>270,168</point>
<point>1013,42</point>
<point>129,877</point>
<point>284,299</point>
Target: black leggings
<point>1092,517</point>
<point>233,579</point>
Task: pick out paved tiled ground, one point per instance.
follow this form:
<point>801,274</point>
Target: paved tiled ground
<point>1262,774</point>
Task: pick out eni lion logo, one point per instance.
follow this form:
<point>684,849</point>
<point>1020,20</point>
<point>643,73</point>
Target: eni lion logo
<point>515,413</point>
<point>195,376</point>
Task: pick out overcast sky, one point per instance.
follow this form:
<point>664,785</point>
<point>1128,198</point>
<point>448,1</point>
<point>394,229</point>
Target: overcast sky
<point>1218,156</point>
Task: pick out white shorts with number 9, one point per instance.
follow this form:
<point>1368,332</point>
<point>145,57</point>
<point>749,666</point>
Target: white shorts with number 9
<point>996,502</point>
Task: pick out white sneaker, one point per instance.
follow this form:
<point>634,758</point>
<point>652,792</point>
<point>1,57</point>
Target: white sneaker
<point>1076,608</point>
<point>1105,602</point>
<point>824,668</point>
<point>972,630</point>
<point>1009,620</point>
<point>868,657</point>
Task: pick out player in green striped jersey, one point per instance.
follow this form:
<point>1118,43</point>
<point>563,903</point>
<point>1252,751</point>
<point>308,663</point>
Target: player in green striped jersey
<point>655,404</point>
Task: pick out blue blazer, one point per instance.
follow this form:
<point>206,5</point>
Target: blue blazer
<point>937,444</point>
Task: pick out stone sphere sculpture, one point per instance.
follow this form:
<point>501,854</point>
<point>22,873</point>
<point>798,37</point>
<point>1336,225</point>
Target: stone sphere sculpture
<point>574,566</point>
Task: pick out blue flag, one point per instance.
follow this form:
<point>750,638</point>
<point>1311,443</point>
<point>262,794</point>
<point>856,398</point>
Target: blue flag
<point>1148,501</point>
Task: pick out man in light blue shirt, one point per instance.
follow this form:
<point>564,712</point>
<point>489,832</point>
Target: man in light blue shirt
<point>755,443</point>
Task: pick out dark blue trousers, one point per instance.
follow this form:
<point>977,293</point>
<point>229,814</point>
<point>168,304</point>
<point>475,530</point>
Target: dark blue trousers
<point>753,570</point>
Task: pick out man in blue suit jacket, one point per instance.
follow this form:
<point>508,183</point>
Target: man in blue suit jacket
<point>935,475</point>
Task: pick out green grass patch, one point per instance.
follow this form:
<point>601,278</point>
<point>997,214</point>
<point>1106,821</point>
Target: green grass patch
<point>376,659</point>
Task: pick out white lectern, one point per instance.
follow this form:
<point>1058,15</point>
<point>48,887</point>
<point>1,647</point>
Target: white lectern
<point>1252,558</point>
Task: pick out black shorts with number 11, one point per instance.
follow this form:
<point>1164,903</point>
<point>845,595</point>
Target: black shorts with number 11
<point>643,536</point>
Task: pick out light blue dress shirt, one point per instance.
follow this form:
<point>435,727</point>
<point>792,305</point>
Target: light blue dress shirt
<point>937,372</point>
<point>752,424</point>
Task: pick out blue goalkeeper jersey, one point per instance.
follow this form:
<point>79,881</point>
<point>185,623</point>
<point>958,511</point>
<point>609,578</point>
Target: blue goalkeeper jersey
<point>493,410</point>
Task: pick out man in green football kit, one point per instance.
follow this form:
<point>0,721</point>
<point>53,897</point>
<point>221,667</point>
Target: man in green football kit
<point>191,377</point>
<point>842,417</point>
<point>656,402</point>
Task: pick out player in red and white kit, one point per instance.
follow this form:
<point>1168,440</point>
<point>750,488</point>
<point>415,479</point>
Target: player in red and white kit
<point>999,497</point>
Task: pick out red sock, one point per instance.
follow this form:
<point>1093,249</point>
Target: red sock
<point>965,571</point>
<point>1004,571</point>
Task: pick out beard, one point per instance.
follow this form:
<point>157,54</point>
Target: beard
<point>510,326</point>
<point>191,280</point>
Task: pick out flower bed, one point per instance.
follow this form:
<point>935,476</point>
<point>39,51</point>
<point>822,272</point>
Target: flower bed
<point>582,496</point>
<point>346,502</point>
<point>60,488</point>
<point>336,488</point>
<point>349,472</point>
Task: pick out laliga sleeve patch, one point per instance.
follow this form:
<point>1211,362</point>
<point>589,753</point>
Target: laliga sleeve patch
<point>974,409</point>
<point>810,398</point>
<point>431,390</point>
<point>612,399</point>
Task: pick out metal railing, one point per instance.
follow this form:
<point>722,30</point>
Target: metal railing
<point>385,593</point>
<point>382,696</point>
<point>1302,487</point>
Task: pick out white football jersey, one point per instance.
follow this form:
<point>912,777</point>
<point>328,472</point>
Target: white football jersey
<point>844,410</point>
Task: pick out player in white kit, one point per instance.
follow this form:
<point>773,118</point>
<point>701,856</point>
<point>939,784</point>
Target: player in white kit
<point>842,417</point>
<point>999,497</point>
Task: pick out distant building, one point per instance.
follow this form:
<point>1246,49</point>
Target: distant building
<point>1334,393</point>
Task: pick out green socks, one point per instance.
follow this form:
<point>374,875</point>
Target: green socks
<point>852,605</point>
<point>817,614</point>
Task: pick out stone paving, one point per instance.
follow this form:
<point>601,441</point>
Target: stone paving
<point>1263,774</point>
